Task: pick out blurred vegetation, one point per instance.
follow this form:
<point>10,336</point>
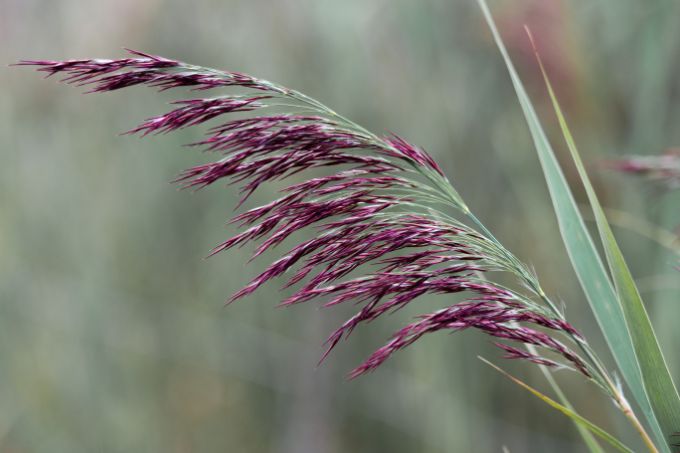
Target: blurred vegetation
<point>113,335</point>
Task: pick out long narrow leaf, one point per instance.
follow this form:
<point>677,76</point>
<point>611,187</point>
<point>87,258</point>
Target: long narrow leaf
<point>602,434</point>
<point>655,374</point>
<point>586,434</point>
<point>584,257</point>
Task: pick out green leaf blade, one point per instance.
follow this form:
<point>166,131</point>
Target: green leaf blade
<point>657,379</point>
<point>575,417</point>
<point>586,434</point>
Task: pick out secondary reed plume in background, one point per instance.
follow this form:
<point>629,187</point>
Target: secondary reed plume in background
<point>663,169</point>
<point>388,225</point>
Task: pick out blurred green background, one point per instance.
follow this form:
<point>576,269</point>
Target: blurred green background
<point>113,334</point>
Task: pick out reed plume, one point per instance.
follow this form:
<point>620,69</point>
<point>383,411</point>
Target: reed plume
<point>383,210</point>
<point>663,169</point>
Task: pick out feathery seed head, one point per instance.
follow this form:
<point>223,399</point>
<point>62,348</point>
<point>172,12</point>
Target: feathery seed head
<point>381,208</point>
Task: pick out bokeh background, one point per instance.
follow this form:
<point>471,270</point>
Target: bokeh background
<point>113,333</point>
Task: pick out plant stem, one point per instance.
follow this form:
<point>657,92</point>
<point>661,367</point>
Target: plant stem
<point>630,415</point>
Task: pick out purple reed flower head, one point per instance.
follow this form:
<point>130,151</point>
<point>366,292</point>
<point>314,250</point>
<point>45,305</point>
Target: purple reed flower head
<point>515,353</point>
<point>377,207</point>
<point>664,168</point>
<point>142,69</point>
<point>493,319</point>
<point>409,152</point>
<point>197,111</point>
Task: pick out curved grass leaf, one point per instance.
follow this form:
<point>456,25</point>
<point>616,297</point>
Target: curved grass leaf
<point>586,435</point>
<point>576,418</point>
<point>584,257</point>
<point>656,377</point>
